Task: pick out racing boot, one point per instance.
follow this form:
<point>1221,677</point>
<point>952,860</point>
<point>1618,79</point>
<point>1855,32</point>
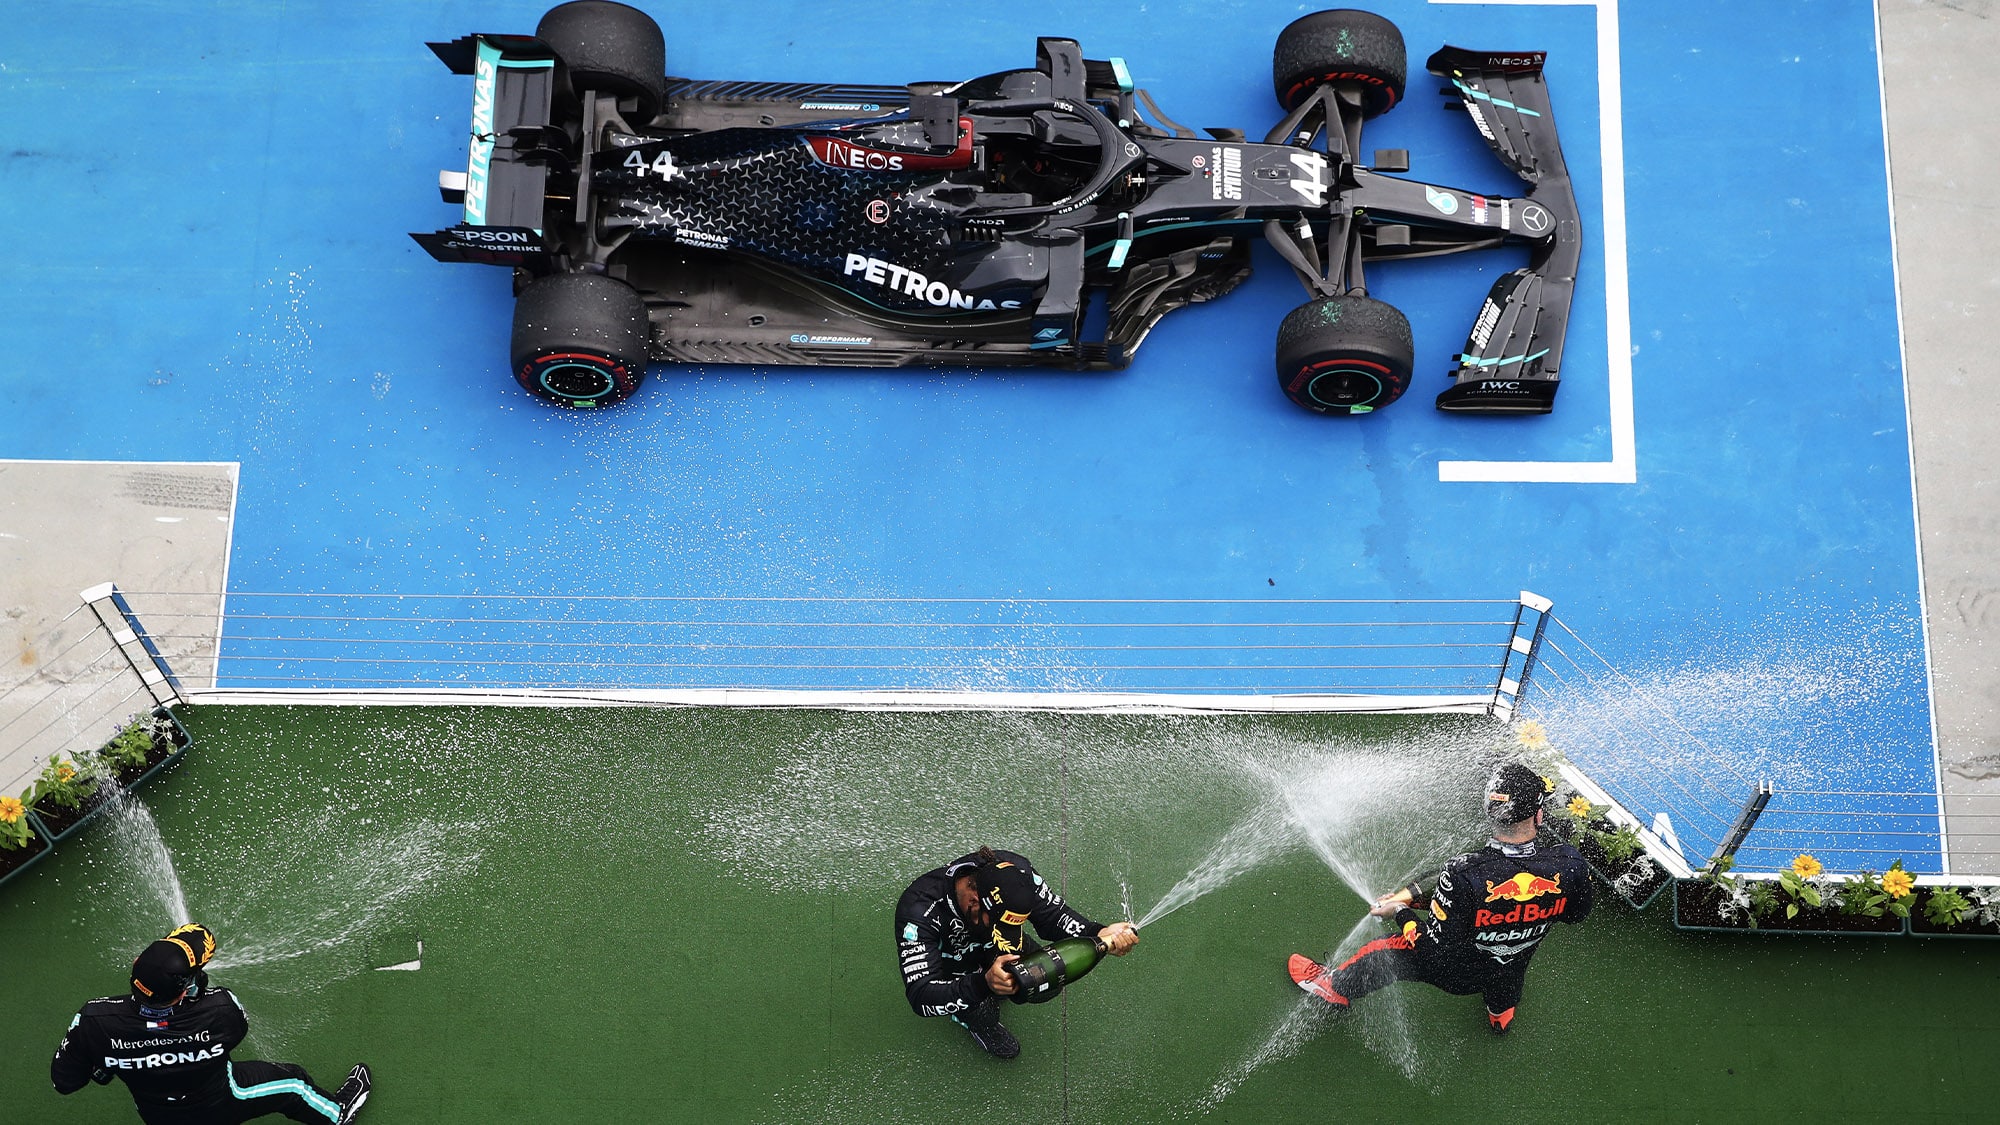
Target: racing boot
<point>1500,1021</point>
<point>353,1093</point>
<point>983,1021</point>
<point>1316,980</point>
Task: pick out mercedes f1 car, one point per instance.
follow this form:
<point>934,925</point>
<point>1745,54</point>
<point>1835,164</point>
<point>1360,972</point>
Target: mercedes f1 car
<point>670,220</point>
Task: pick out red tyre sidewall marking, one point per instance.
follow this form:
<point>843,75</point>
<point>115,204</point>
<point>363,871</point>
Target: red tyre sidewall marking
<point>621,375</point>
<point>1292,94</point>
<point>1307,372</point>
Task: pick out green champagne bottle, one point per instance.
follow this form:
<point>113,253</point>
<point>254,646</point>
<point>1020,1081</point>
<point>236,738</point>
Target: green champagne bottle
<point>1041,975</point>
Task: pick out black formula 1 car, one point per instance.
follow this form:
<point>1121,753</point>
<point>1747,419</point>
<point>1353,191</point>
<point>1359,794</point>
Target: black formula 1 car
<point>657,219</point>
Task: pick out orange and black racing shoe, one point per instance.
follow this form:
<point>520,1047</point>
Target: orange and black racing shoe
<point>1500,1021</point>
<point>1313,977</point>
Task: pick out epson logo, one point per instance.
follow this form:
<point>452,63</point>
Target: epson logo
<point>482,234</point>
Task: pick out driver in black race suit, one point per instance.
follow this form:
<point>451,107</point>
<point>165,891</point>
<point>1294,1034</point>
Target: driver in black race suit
<point>1477,931</point>
<point>959,927</point>
<point>170,1041</point>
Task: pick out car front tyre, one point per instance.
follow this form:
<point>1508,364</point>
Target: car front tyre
<point>1344,355</point>
<point>1343,48</point>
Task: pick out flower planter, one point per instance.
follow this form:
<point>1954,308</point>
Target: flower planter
<point>60,824</point>
<point>1922,926</point>
<point>52,826</point>
<point>165,752</point>
<point>1638,880</point>
<point>16,860</point>
<point>1698,906</point>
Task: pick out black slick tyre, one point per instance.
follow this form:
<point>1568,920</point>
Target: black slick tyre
<point>611,47</point>
<point>579,340</point>
<point>1344,48</point>
<point>1344,355</point>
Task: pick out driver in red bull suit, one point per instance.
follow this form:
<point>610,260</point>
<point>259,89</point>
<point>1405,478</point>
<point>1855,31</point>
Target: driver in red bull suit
<point>1478,929</point>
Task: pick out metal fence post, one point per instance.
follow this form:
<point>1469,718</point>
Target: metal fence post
<point>1745,821</point>
<point>1509,691</point>
<point>134,644</point>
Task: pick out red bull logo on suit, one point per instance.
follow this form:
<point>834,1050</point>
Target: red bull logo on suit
<point>1523,889</point>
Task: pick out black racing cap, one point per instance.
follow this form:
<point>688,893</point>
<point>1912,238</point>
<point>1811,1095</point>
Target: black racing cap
<point>1514,793</point>
<point>199,939</point>
<point>162,974</point>
<point>1007,892</point>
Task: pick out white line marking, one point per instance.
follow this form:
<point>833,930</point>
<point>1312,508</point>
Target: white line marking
<point>1131,703</point>
<point>406,966</point>
<point>1623,468</point>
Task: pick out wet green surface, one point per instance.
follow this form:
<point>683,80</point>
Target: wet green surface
<point>685,916</point>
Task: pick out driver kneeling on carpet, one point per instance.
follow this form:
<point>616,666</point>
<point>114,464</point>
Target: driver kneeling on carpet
<point>1478,929</point>
<point>961,946</point>
<point>170,1041</point>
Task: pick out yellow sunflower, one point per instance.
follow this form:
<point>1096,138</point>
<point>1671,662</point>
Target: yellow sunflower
<point>1530,734</point>
<point>1806,867</point>
<point>1899,883</point>
<point>1578,807</point>
<point>11,810</point>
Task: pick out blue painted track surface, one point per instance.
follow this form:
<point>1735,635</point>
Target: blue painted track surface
<point>210,264</point>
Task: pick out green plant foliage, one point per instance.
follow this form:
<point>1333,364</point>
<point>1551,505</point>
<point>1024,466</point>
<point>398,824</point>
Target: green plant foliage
<point>1862,896</point>
<point>1797,892</point>
<point>1764,900</point>
<point>128,748</point>
<point>1947,907</point>
<point>61,786</point>
<point>1619,846</point>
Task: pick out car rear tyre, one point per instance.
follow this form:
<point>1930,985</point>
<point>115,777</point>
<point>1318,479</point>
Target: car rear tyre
<point>580,339</point>
<point>1344,355</point>
<point>611,47</point>
<point>1344,48</point>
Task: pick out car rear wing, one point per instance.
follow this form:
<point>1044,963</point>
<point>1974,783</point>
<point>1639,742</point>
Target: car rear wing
<point>1513,355</point>
<point>503,189</point>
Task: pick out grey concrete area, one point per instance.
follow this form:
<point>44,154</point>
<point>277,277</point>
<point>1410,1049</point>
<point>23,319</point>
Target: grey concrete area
<point>1944,160</point>
<point>161,532</point>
